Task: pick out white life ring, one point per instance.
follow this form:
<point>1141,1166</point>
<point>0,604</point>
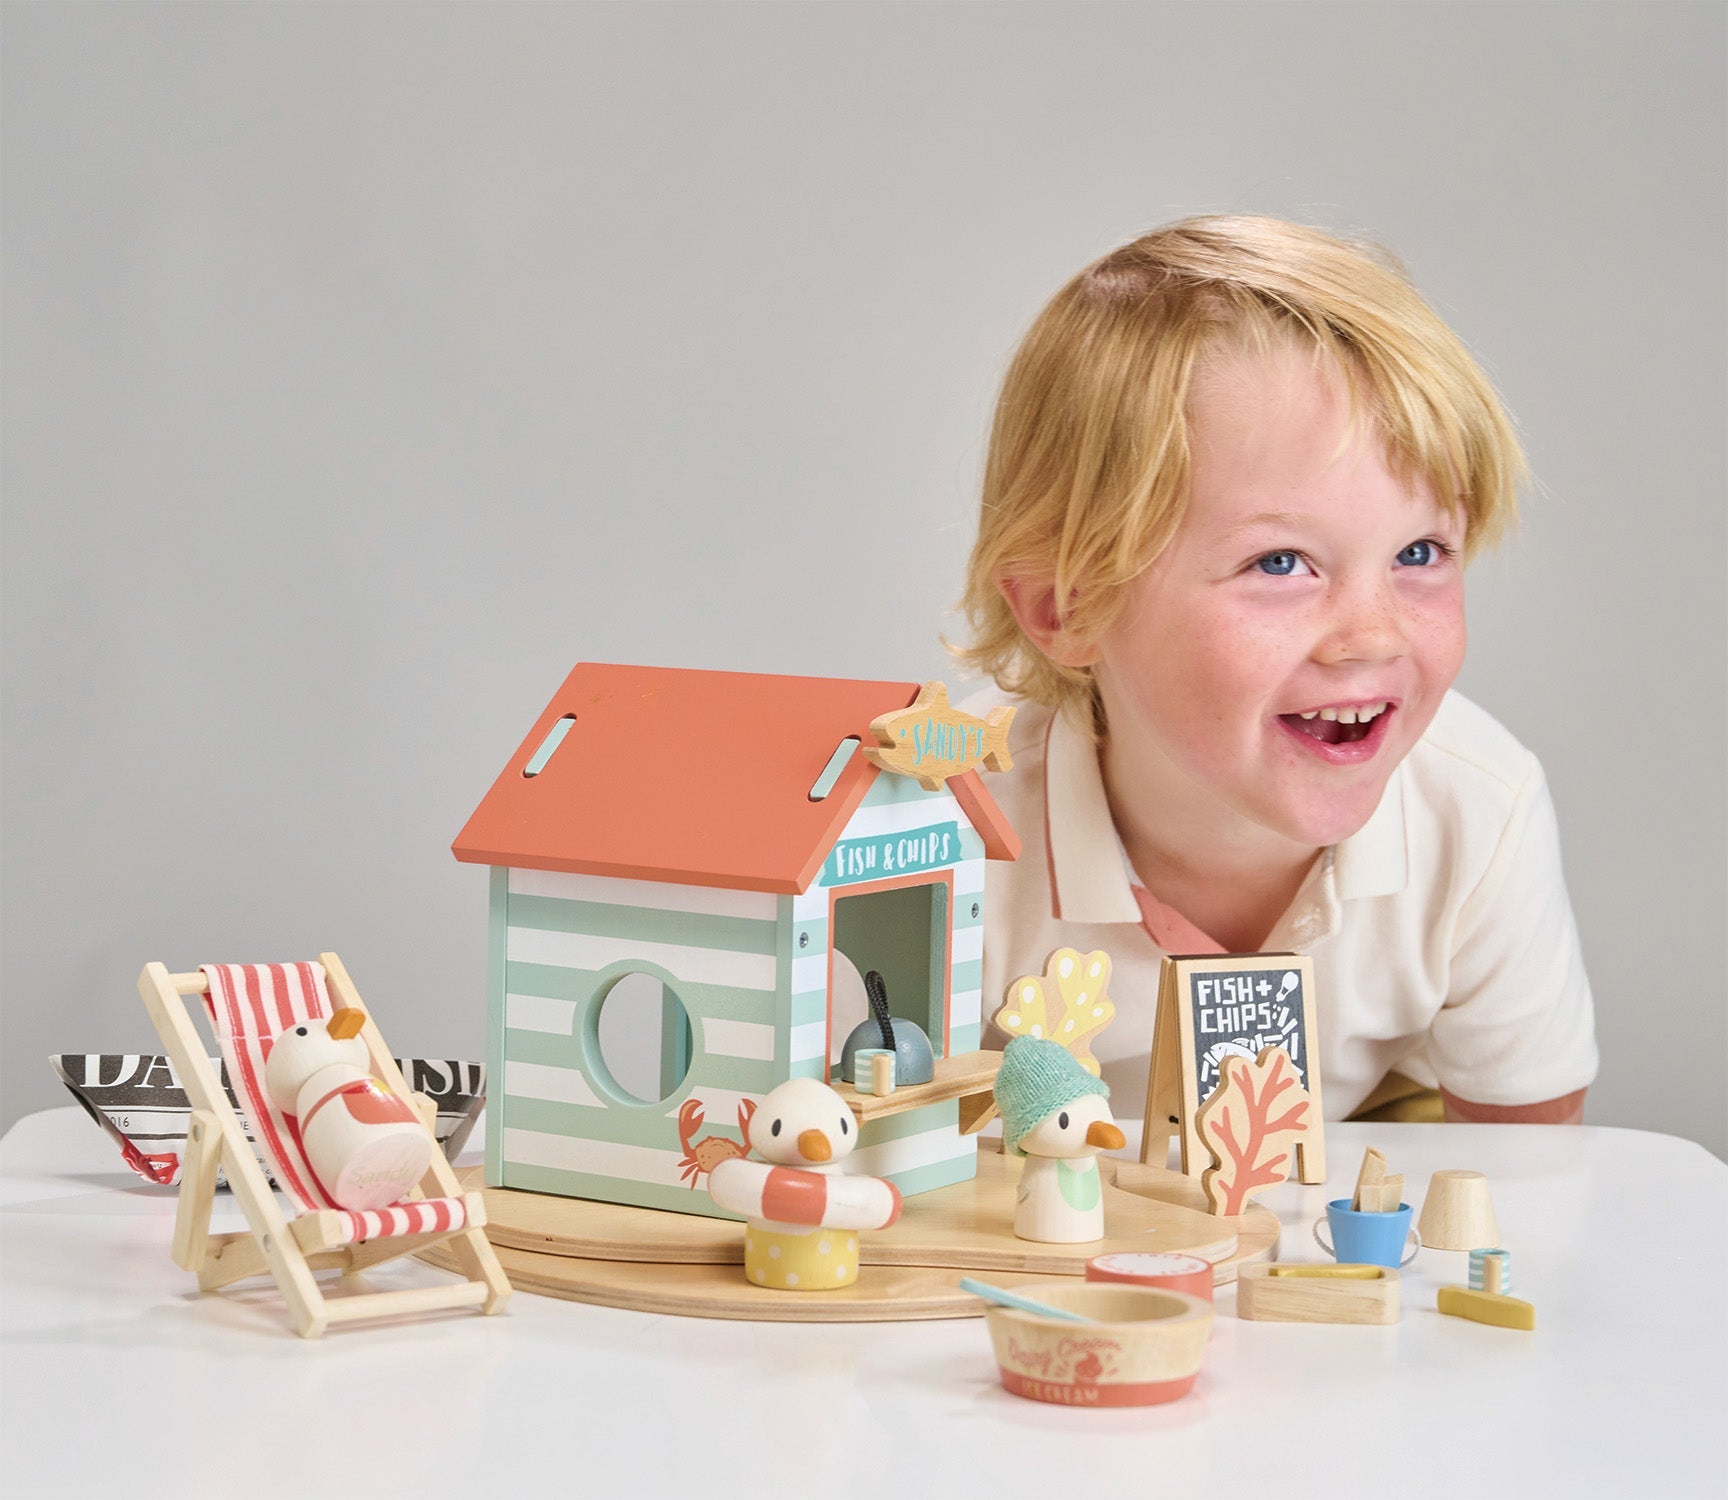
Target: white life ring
<point>791,1195</point>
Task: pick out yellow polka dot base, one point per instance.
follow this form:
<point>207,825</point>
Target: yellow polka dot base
<point>816,1261</point>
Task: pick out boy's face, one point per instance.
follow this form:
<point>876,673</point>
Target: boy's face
<point>1306,586</point>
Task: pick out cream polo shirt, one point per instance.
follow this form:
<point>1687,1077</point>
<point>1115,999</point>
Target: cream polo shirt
<point>1441,933</point>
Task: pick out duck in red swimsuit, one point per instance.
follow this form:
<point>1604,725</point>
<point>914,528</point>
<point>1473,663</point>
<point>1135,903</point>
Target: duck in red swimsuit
<point>365,1145</point>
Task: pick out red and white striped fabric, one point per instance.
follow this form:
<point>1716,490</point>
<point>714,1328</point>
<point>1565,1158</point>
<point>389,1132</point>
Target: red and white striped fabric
<point>250,1006</point>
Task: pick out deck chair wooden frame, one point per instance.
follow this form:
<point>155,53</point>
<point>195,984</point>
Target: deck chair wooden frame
<point>291,1249</point>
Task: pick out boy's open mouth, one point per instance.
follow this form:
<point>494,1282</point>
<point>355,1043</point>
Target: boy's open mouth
<point>1337,726</point>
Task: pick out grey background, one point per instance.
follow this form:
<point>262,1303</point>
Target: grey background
<point>366,367</point>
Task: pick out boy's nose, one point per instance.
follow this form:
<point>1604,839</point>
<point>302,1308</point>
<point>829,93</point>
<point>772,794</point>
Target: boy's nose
<point>1364,626</point>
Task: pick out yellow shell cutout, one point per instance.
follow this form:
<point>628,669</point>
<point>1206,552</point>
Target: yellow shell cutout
<point>1069,1003</point>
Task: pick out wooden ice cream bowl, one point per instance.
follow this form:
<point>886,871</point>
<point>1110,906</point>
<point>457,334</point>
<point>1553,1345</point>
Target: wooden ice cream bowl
<point>1145,1347</point>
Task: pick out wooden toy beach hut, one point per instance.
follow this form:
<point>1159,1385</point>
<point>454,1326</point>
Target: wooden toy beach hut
<point>708,858</point>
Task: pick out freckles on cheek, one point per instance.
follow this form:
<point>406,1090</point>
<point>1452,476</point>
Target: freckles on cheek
<point>1444,638</point>
<point>1248,655</point>
<point>1222,671</point>
<point>1455,660</point>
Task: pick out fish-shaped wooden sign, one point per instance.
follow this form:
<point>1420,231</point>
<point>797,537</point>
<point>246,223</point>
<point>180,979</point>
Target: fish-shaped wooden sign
<point>932,740</point>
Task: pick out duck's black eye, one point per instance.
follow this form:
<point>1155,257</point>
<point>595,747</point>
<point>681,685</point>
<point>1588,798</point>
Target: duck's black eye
<point>299,1031</point>
<point>774,1129</point>
<point>845,1125</point>
<point>1062,1120</point>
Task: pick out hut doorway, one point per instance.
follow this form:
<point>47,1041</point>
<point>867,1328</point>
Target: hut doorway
<point>901,930</point>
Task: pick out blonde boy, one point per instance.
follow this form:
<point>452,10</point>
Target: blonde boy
<point>1236,470</point>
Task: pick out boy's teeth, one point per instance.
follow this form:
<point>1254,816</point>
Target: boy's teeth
<point>1346,715</point>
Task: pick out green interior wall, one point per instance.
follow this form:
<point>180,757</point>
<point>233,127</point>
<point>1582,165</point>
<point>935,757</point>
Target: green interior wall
<point>903,934</point>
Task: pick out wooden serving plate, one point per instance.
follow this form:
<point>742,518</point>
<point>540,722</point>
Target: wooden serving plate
<point>686,1264</point>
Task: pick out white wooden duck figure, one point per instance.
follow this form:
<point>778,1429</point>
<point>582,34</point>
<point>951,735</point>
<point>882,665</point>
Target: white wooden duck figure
<point>366,1145</point>
<point>1054,1113</point>
<point>802,1210</point>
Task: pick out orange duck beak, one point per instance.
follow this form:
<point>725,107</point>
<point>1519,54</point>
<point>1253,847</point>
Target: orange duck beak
<point>346,1022</point>
<point>1103,1134</point>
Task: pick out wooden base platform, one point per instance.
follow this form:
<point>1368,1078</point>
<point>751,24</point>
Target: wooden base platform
<point>687,1264</point>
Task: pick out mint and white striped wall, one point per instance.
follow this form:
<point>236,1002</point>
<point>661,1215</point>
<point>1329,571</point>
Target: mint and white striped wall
<point>563,1126</point>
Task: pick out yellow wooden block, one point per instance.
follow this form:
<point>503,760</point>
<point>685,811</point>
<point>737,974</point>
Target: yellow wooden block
<point>1486,1307</point>
<point>1347,1271</point>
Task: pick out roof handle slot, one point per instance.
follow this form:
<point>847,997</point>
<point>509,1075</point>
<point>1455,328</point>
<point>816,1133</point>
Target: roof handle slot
<point>554,738</point>
<point>837,762</point>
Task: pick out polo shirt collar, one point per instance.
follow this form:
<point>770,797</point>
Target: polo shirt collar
<point>1090,876</point>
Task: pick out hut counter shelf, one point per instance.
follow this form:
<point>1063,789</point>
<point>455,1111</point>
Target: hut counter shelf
<point>963,1077</point>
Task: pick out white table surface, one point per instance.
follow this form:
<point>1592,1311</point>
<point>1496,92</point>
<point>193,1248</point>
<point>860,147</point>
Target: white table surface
<point>121,1381</point>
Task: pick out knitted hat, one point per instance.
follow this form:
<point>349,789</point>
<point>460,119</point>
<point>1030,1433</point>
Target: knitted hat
<point>1038,1076</point>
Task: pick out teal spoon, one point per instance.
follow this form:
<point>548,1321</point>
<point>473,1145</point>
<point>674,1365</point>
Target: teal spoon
<point>1004,1298</point>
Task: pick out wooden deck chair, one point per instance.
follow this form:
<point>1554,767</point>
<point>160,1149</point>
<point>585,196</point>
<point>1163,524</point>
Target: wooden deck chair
<point>248,1007</point>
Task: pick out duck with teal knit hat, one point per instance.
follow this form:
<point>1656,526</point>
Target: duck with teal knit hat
<point>1055,1115</point>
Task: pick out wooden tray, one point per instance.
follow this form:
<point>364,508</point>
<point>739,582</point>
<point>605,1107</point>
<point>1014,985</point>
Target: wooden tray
<point>881,1294</point>
<point>653,1261</point>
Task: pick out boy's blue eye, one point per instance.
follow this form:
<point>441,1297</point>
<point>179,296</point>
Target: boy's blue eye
<point>1420,555</point>
<point>1278,564</point>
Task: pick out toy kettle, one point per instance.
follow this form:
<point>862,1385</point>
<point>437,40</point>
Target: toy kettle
<point>914,1060</point>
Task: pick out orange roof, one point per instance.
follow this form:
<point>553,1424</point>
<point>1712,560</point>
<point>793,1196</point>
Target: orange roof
<point>702,778</point>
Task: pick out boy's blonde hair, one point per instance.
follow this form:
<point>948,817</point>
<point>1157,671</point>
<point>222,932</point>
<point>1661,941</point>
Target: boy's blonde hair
<point>1087,474</point>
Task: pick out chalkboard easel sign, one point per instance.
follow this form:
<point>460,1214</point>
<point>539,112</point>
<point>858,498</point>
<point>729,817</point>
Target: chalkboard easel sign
<point>1228,1005</point>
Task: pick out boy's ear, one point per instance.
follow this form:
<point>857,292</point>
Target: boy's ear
<point>1032,601</point>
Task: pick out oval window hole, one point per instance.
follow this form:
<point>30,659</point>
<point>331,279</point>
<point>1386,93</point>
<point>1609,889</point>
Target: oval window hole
<point>643,1036</point>
<point>554,738</point>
